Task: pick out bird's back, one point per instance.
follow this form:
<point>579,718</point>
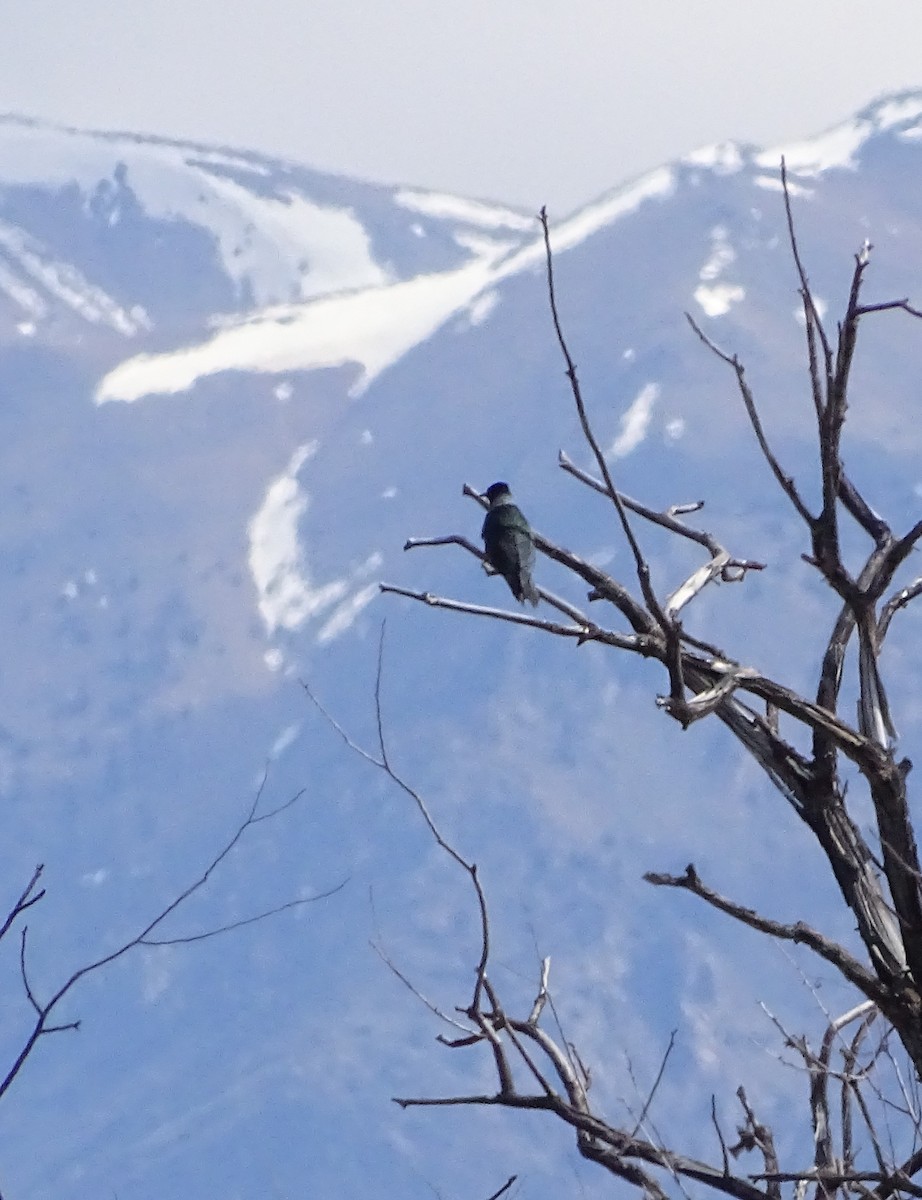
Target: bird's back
<point>507,540</point>
<point>505,524</point>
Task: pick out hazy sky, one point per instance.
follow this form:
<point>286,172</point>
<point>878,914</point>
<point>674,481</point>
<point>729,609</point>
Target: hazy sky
<point>527,101</point>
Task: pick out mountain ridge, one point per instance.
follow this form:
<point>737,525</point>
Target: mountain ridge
<point>178,559</point>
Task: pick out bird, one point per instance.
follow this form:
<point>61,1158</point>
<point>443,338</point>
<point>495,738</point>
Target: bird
<point>509,543</point>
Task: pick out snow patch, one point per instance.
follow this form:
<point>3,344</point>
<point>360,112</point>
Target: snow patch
<point>20,292</point>
<point>714,297</point>
<point>286,595</point>
<point>722,255</point>
<point>469,212</point>
<point>344,616</point>
<point>287,247</point>
<point>772,183</point>
<point>635,422</point>
<point>282,246</point>
<point>482,306</point>
<point>656,186</point>
<point>896,112</point>
<point>64,282</point>
<point>480,246</point>
<point>717,300</point>
<point>372,328</point>
<point>836,148</point>
<point>723,158</point>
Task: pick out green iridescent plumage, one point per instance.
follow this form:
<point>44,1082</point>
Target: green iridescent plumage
<point>509,543</point>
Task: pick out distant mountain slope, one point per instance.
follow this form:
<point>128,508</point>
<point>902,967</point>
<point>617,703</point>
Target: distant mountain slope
<point>231,388</point>
<point>110,225</point>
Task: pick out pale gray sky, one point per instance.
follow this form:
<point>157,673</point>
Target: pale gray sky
<point>525,101</point>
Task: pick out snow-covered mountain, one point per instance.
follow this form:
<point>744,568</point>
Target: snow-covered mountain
<point>231,388</point>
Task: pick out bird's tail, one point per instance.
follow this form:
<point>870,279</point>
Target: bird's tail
<point>529,592</point>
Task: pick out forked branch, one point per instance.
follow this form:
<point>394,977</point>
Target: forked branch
<point>44,1010</point>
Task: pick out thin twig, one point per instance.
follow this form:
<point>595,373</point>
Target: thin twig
<point>720,1136</point>
<point>433,1008</point>
<point>656,1083</point>
<point>244,921</point>
<point>26,899</point>
<point>44,1010</point>
<point>785,481</point>
<point>641,565</point>
<point>505,1188</point>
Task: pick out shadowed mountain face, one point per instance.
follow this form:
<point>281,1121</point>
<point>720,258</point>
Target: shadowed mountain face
<point>230,389</point>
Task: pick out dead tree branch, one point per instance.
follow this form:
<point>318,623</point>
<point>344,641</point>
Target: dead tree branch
<point>27,898</point>
<point>800,933</point>
<point>850,1079</point>
<point>44,1010</point>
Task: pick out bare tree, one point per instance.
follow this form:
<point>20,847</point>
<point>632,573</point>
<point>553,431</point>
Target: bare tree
<point>862,1076</point>
<point>45,1009</point>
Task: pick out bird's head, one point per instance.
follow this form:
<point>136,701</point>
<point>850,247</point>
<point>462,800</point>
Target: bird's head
<point>498,491</point>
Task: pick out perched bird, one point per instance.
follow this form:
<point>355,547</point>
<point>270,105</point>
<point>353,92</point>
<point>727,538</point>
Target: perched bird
<point>509,543</point>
